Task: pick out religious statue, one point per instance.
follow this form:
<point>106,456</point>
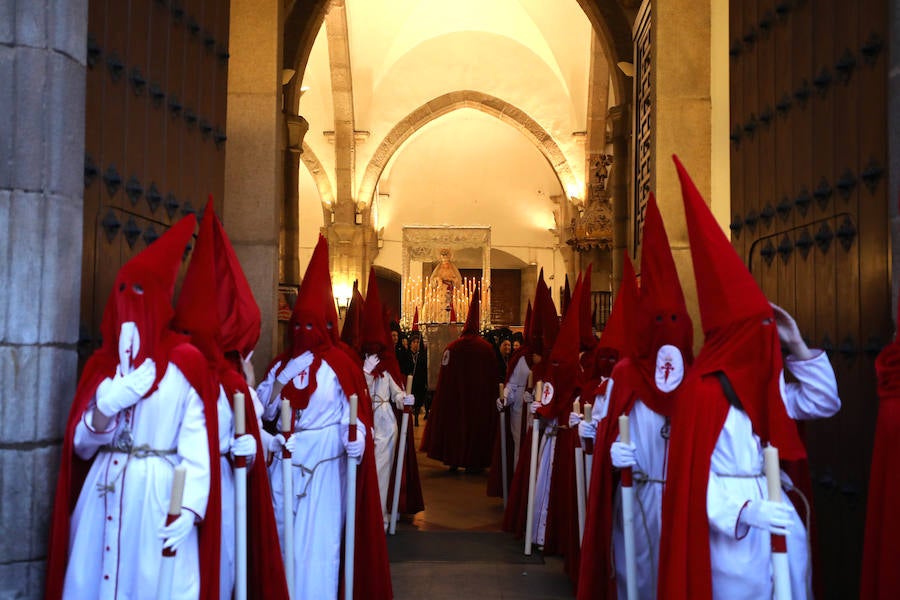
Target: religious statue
<point>447,275</point>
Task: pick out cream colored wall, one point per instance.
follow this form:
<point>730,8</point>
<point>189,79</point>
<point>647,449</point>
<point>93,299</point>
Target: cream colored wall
<point>720,157</point>
<point>406,53</point>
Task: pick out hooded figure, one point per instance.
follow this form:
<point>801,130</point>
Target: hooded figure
<point>543,329</point>
<point>555,502</point>
<point>880,575</point>
<point>217,309</point>
<point>643,387</point>
<point>463,422</point>
<point>139,409</point>
<point>594,578</point>
<point>384,390</point>
<point>317,378</point>
<point>716,518</point>
<point>350,330</point>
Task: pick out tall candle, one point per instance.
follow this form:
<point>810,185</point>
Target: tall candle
<point>240,426</point>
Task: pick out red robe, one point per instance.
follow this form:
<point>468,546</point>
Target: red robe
<point>880,572</point>
<point>462,425</point>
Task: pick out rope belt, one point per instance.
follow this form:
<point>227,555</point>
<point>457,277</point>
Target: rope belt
<point>641,477</point>
<point>553,430</point>
<point>142,451</point>
<point>304,471</point>
<point>740,475</point>
<point>130,451</point>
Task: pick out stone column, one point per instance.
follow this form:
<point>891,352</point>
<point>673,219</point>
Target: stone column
<point>42,85</point>
<point>255,160</point>
<point>682,121</point>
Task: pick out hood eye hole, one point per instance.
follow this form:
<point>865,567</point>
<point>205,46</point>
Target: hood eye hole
<point>674,317</point>
<point>137,289</point>
<point>121,287</point>
<point>308,326</point>
<point>659,318</point>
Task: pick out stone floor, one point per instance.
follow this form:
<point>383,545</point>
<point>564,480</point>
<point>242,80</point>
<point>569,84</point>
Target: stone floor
<point>455,548</point>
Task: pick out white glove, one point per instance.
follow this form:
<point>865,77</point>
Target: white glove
<point>294,367</point>
<point>244,445</point>
<point>409,400</point>
<point>774,517</point>
<point>587,430</point>
<point>276,443</point>
<point>501,404</point>
<point>622,455</point>
<point>124,391</point>
<point>178,531</point>
<point>356,448</point>
<point>291,444</point>
<point>534,406</point>
<point>370,363</point>
<point>574,419</point>
<point>527,397</point>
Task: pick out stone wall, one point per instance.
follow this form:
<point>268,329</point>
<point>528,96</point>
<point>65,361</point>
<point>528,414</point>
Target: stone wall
<point>42,74</point>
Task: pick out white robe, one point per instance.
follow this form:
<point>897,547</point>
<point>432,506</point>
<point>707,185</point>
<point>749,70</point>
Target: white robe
<point>515,391</point>
<point>650,470</point>
<point>320,472</point>
<point>384,390</point>
<point>114,544</point>
<point>740,557</point>
<point>542,484</point>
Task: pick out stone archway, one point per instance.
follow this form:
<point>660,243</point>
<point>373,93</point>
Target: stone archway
<point>450,102</point>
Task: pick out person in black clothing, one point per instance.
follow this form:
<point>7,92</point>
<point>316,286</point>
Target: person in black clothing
<point>417,365</point>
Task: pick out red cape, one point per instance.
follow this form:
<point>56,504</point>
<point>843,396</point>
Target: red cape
<point>880,572</point>
<point>73,470</point>
<point>462,425</point>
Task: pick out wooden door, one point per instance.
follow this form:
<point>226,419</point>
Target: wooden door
<point>810,215</point>
<point>154,135</point>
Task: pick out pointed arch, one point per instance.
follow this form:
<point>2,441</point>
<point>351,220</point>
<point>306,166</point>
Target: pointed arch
<point>447,103</point>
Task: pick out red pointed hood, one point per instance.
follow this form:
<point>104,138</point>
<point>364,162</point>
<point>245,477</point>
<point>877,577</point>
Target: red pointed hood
<point>373,339</point>
<point>563,369</point>
<point>196,312</point>
<point>415,323</point>
<point>309,329</point>
<point>473,319</point>
<point>350,332</point>
<point>586,335</point>
<point>544,320</point>
<point>726,290</point>
<point>239,315</point>
<point>741,336</point>
<point>566,300</point>
<point>663,316</point>
<point>616,334</point>
<point>142,294</point>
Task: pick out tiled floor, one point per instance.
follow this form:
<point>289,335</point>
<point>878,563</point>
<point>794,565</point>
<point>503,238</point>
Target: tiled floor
<point>454,566</point>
